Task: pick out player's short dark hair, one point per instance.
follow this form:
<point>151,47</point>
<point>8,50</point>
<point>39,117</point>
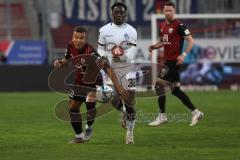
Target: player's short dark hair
<point>80,29</point>
<point>169,3</point>
<point>118,4</point>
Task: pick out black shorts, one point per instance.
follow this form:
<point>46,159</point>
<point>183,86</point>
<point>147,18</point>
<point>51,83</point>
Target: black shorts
<point>170,72</point>
<point>79,93</point>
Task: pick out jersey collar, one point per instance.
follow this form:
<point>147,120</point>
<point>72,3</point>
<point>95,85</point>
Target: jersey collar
<point>118,25</point>
<point>169,22</point>
<point>81,50</point>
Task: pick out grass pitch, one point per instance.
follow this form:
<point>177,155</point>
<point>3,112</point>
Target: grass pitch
<point>29,130</point>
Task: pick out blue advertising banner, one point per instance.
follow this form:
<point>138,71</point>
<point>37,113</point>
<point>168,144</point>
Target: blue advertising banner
<point>25,52</point>
<point>97,12</point>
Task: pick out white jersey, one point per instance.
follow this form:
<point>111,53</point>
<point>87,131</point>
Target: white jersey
<point>125,35</point>
<point>111,35</point>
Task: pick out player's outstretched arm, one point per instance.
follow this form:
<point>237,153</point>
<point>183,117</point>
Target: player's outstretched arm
<point>158,45</point>
<point>58,62</point>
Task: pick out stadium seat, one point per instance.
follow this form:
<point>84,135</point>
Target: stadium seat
<point>20,27</point>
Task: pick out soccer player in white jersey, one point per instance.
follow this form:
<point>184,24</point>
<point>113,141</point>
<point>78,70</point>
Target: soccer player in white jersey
<point>116,42</point>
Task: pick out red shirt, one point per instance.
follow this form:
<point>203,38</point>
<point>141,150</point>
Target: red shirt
<point>79,63</point>
<point>172,36</point>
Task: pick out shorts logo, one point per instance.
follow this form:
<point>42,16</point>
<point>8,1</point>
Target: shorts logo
<point>72,92</point>
<point>170,30</point>
<point>163,72</point>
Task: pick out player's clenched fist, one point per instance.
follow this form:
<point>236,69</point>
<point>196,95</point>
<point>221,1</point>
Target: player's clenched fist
<point>117,51</point>
<point>57,63</point>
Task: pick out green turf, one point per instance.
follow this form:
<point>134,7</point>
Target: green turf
<point>29,130</point>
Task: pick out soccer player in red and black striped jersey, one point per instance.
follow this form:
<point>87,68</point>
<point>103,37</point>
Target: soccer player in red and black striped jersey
<point>172,35</point>
<point>79,47</point>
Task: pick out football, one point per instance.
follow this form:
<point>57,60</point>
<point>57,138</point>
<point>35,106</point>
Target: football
<point>104,93</point>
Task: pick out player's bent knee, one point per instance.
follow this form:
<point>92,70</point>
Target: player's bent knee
<point>159,88</point>
<point>75,105</point>
<point>91,97</point>
<point>176,84</point>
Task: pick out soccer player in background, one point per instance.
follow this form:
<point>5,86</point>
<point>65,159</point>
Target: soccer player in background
<point>116,42</point>
<point>78,46</point>
<point>172,35</point>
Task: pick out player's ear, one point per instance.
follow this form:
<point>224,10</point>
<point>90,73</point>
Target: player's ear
<point>73,35</point>
<point>112,15</point>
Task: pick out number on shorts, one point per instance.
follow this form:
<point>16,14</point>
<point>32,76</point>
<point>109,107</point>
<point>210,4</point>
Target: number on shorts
<point>131,82</point>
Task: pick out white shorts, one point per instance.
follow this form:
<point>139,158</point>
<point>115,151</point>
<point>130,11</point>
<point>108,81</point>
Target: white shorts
<point>126,75</point>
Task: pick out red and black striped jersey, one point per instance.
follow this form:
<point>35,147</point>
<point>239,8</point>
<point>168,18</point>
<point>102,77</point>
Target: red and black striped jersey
<point>80,63</point>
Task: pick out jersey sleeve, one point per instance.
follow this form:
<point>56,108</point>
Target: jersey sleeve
<point>183,30</point>
<point>133,39</point>
<point>68,52</point>
<point>101,43</point>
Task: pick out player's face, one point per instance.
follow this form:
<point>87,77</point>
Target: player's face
<point>79,39</point>
<point>169,12</point>
<point>119,15</point>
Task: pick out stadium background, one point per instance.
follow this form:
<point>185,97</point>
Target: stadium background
<point>35,32</point>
